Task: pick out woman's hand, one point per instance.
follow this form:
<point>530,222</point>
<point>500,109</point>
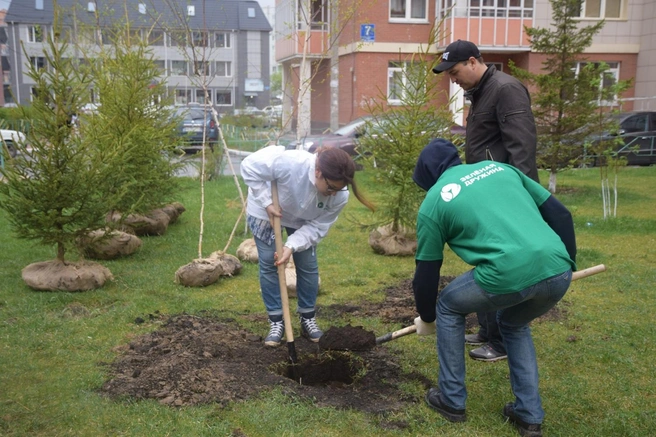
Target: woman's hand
<point>286,255</point>
<point>271,212</point>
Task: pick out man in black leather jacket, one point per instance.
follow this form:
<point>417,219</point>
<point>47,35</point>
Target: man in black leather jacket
<point>500,127</point>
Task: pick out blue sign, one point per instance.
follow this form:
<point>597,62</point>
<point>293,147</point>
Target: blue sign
<point>367,32</point>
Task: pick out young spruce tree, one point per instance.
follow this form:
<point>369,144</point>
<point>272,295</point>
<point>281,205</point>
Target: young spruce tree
<point>52,190</point>
<point>565,102</point>
<point>400,131</point>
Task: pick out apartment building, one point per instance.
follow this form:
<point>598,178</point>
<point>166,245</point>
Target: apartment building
<point>221,44</point>
<point>376,37</point>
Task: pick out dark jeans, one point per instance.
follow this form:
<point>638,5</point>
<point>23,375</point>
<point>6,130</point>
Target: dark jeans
<point>489,330</point>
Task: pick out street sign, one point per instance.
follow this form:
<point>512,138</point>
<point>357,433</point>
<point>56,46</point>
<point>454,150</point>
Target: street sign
<point>367,33</point>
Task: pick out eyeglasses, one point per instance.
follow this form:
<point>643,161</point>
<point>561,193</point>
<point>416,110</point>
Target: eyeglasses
<point>332,188</point>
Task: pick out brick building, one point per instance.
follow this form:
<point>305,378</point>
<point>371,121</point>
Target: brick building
<point>375,37</point>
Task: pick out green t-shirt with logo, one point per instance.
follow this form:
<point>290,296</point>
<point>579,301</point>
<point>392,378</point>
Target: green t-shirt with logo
<point>488,215</point>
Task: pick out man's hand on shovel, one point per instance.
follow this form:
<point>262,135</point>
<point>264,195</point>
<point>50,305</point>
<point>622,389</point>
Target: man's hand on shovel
<point>424,328</point>
<point>415,327</point>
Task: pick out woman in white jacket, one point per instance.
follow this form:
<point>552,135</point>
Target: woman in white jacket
<point>312,190</point>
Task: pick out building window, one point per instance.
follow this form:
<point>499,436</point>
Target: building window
<point>182,96</point>
<point>202,68</point>
<point>63,35</point>
<point>107,36</point>
<point>222,40</point>
<point>161,67</point>
<point>179,38</point>
<point>223,98</point>
<point>408,9</point>
<point>318,15</point>
<point>602,8</point>
<point>399,81</point>
<point>200,97</point>
<point>486,8</point>
<point>35,33</point>
<point>178,68</point>
<point>156,38</point>
<point>199,39</point>
<point>609,78</point>
<point>9,96</point>
<point>38,62</point>
<point>223,69</point>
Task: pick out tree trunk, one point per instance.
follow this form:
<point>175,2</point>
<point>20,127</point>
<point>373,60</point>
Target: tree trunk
<point>552,181</point>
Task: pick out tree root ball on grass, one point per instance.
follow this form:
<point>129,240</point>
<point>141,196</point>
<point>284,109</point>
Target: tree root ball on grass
<point>56,275</point>
<point>103,244</point>
<point>386,241</point>
<point>205,271</point>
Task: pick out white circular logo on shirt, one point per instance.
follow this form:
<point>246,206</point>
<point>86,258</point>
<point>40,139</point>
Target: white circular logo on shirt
<point>450,191</point>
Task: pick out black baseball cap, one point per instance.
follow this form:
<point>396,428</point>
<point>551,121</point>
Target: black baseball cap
<point>455,52</point>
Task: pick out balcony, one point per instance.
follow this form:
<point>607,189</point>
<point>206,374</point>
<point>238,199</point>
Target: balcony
<point>499,26</point>
<point>293,25</point>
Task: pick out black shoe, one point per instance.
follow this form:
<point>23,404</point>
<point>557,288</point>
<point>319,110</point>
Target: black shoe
<point>475,339</point>
<point>433,400</point>
<point>486,353</point>
<point>525,429</point>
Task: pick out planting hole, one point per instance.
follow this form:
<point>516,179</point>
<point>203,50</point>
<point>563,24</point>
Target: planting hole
<point>324,369</point>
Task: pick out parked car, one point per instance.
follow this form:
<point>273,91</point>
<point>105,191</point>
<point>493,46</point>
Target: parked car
<point>345,138</point>
<point>273,111</point>
<point>638,133</point>
<point>10,138</point>
<point>191,127</point>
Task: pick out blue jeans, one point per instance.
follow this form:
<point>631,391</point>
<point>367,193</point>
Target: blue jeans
<point>307,278</point>
<point>514,312</point>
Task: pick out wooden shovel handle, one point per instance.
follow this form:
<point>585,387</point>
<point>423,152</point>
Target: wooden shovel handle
<point>412,329</point>
<point>277,230</point>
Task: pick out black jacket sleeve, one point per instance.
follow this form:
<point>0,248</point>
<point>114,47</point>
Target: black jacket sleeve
<point>560,220</point>
<point>424,287</point>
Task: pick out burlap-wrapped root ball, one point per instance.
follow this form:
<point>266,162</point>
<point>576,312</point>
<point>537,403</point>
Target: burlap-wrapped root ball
<point>384,241</point>
<point>206,271</point>
<point>102,244</point>
<point>247,251</point>
<point>174,210</point>
<point>229,263</point>
<point>154,223</point>
<point>199,273</point>
<point>56,275</point>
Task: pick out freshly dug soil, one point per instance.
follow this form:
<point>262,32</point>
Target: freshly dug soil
<point>202,359</point>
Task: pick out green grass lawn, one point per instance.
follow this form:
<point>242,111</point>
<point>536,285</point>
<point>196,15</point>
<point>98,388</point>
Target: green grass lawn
<point>596,364</point>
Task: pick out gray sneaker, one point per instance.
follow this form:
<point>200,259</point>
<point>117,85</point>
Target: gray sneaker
<point>487,353</point>
<point>309,329</point>
<point>276,331</point>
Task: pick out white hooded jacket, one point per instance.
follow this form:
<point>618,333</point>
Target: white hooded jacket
<point>303,207</point>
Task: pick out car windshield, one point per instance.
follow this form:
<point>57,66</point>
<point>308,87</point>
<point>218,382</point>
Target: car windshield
<point>192,114</point>
<point>349,128</point>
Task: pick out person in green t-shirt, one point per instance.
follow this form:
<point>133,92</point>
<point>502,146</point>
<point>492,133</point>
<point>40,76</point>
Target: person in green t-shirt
<point>520,241</point>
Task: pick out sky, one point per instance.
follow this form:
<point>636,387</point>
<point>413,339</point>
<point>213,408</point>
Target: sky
<point>4,4</point>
